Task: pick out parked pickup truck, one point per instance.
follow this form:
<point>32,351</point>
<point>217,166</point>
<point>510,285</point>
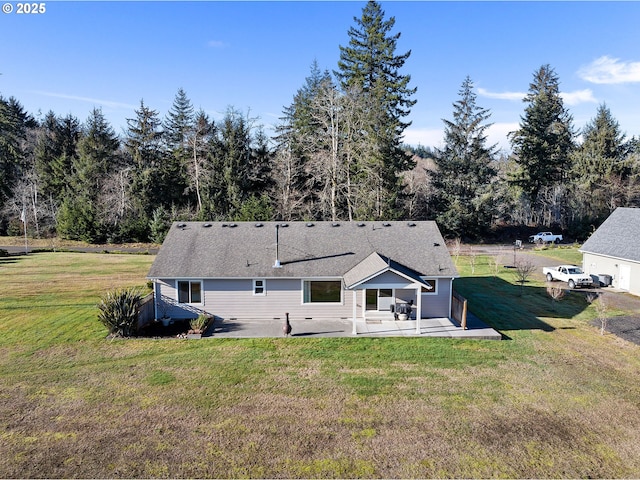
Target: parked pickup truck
<point>568,273</point>
<point>545,237</point>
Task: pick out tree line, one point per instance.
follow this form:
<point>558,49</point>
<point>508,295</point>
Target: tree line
<point>337,154</point>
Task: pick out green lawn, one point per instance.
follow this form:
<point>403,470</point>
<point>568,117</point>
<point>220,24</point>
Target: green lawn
<point>561,253</point>
<point>555,400</point>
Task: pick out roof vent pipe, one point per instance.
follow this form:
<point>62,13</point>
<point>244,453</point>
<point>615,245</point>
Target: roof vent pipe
<point>277,264</point>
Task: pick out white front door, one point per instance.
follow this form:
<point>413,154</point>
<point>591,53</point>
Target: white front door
<point>624,281</point>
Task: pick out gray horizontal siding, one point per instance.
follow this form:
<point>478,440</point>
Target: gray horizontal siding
<point>234,298</point>
<point>437,305</point>
<point>387,280</point>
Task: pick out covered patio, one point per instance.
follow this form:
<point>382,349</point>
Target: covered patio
<point>385,291</point>
<point>429,327</point>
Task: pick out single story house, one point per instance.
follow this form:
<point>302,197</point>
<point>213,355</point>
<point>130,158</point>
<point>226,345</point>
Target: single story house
<point>349,270</point>
<point>613,250</point>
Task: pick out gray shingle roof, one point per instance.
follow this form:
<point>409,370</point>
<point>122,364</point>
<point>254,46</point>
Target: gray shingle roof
<point>618,236</point>
<point>375,264</point>
<point>246,250</point>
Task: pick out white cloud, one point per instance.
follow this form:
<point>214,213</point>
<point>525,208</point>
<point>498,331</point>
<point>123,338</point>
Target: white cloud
<point>497,135</point>
<point>216,44</point>
<point>94,101</point>
<point>513,96</point>
<point>423,136</point>
<point>578,97</point>
<point>610,70</point>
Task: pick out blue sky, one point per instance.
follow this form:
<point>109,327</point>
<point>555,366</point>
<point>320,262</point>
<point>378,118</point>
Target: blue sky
<point>254,56</point>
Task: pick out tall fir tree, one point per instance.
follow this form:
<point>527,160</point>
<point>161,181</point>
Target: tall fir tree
<point>370,65</point>
<point>80,217</point>
<point>601,165</point>
<point>545,139</point>
<point>178,128</point>
<point>98,151</point>
<point>463,169</point>
<point>56,150</point>
<point>143,144</point>
<point>603,149</point>
<point>12,131</point>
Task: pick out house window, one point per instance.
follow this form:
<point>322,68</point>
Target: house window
<point>189,292</point>
<point>322,291</point>
<point>260,287</point>
<point>433,283</point>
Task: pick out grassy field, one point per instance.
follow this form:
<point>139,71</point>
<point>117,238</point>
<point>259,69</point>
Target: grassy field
<point>556,399</point>
<point>562,253</point>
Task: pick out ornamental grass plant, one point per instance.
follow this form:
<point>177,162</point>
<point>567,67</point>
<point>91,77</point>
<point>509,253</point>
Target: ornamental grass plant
<point>119,311</point>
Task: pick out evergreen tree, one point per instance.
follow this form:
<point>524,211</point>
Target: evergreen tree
<point>178,126</point>
<point>232,159</point>
<point>56,151</point>
<point>544,141</point>
<point>79,217</point>
<point>10,151</point>
<point>601,165</point>
<point>602,151</point>
<point>97,152</point>
<point>143,143</point>
<point>370,65</point>
<point>464,173</point>
<point>15,127</point>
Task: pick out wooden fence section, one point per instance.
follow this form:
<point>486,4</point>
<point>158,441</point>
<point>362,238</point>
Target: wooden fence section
<point>459,309</point>
<point>146,310</point>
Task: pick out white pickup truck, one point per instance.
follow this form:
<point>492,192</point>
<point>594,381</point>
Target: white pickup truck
<point>568,273</point>
<point>545,237</point>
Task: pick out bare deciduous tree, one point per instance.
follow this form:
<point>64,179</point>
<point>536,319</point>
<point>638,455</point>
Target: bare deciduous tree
<point>556,293</point>
<point>455,248</point>
<point>494,263</point>
<point>288,171</point>
<point>473,257</point>
<point>602,309</point>
<point>522,272</point>
<point>115,196</point>
<point>197,139</point>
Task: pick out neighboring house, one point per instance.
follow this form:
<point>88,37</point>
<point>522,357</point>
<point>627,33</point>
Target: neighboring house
<point>613,250</point>
<point>348,270</point>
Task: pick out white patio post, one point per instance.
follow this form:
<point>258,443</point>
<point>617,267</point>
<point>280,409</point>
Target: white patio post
<point>156,295</point>
<point>418,309</point>
<point>450,298</point>
<point>355,311</point>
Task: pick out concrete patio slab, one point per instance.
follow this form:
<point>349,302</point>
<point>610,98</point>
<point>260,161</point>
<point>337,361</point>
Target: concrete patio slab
<point>430,327</point>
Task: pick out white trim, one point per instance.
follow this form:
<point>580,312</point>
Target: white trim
<point>602,255</point>
<point>451,299</point>
<point>435,288</point>
<point>354,330</point>
<point>157,297</point>
<point>412,280</point>
<point>385,270</point>
<point>321,279</point>
<point>191,280</point>
<point>263,287</point>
